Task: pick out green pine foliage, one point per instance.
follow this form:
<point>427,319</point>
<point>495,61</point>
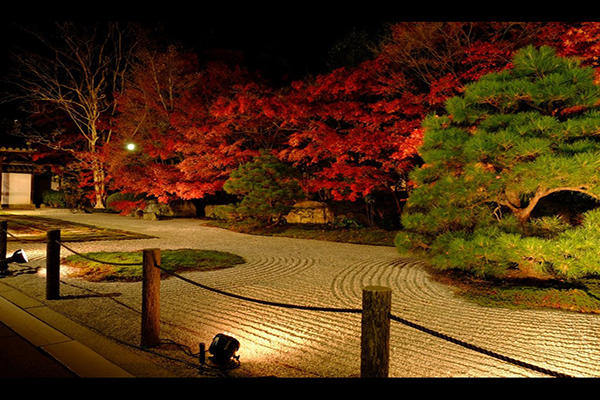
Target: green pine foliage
<point>267,187</point>
<point>511,174</point>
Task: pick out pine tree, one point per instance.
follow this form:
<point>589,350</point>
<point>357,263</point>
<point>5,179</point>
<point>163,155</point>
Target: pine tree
<point>513,142</point>
<point>267,188</point>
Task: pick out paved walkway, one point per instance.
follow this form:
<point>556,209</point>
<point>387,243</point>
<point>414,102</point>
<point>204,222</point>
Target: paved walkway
<point>284,342</point>
<point>19,358</point>
<point>32,348</point>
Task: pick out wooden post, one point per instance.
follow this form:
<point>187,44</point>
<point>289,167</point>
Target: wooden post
<point>151,298</point>
<point>3,238</point>
<point>375,332</point>
<point>1,182</point>
<point>53,265</point>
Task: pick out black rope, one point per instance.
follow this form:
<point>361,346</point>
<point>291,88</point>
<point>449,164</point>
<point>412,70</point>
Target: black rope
<point>264,302</point>
<point>479,349</point>
<point>20,239</point>
<point>392,317</point>
<point>96,260</point>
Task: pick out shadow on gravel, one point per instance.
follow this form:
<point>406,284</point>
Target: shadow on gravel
<point>91,295</point>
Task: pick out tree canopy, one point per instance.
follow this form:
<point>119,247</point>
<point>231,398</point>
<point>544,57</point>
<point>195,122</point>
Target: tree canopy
<point>353,133</point>
<point>495,164</point>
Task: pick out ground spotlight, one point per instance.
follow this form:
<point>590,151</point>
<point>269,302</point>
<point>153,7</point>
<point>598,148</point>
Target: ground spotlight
<point>223,349</point>
<point>18,256</point>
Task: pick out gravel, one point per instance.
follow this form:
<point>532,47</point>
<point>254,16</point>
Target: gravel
<point>289,342</point>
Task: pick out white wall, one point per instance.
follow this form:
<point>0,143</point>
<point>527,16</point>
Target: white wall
<point>16,189</point>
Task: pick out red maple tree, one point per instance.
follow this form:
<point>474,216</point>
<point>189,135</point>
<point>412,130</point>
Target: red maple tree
<point>356,131</point>
<point>165,112</point>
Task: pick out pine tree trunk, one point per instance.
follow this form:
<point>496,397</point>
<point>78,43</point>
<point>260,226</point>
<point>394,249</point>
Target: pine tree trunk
<point>523,215</point>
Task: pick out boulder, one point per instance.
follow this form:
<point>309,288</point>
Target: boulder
<point>150,216</point>
<point>310,212</point>
<point>174,209</point>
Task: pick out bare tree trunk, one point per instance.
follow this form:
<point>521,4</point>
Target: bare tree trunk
<point>99,184</point>
<point>79,77</point>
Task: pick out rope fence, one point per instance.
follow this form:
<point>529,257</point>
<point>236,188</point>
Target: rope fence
<point>375,323</point>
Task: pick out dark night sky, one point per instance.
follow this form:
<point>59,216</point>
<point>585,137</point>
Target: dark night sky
<point>299,31</point>
<point>280,35</point>
<point>276,46</point>
<point>296,43</point>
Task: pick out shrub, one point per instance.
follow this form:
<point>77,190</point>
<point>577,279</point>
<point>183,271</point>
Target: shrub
<point>54,198</point>
<point>267,187</point>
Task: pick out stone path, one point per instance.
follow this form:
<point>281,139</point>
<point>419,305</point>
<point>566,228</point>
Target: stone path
<point>284,342</point>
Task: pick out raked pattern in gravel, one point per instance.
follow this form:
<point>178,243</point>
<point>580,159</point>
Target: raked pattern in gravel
<point>288,342</point>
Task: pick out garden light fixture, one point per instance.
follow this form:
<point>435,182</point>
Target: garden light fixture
<point>223,349</point>
<point>18,256</point>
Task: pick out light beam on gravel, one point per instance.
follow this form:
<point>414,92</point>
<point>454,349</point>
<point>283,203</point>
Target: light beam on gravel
<point>65,271</point>
<point>256,349</point>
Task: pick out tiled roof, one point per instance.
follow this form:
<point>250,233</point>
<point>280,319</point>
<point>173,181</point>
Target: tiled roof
<point>15,149</point>
<point>21,168</point>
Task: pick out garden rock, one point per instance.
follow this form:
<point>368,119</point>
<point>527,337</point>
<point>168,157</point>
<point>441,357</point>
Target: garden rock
<point>310,212</point>
<point>174,209</point>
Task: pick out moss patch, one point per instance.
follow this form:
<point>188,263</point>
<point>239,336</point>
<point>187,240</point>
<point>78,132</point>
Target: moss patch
<point>582,296</point>
<point>171,260</point>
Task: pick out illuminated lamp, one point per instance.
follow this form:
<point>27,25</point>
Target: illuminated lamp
<point>223,349</point>
<point>130,146</point>
<point>18,256</point>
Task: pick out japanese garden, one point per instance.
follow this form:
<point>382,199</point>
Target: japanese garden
<point>473,145</point>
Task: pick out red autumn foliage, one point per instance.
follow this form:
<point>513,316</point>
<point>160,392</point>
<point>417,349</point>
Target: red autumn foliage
<point>180,150</point>
<point>353,132</point>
